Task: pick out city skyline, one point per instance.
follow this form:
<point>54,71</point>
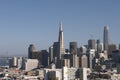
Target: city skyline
<point>37,22</point>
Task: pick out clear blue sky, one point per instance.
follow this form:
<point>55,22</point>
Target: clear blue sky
<point>24,22</point>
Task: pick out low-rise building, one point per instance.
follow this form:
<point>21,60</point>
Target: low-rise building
<point>53,74</point>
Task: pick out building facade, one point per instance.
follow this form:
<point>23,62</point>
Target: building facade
<point>106,37</point>
<point>74,51</point>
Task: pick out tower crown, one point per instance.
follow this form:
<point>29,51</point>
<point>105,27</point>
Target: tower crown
<point>60,39</point>
<point>60,26</point>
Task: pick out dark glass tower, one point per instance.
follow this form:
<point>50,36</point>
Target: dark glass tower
<point>73,47</point>
<point>74,52</point>
<point>55,50</point>
<point>91,44</point>
<point>106,37</point>
<point>31,50</point>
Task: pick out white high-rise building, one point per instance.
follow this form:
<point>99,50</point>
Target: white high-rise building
<point>19,62</point>
<point>60,49</point>
<point>65,73</point>
<point>51,57</point>
<point>30,64</point>
<point>75,73</point>
<point>91,58</point>
<point>14,60</point>
<point>61,43</point>
<point>84,61</point>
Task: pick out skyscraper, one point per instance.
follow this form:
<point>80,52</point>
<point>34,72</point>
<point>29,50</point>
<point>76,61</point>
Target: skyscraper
<point>61,43</point>
<point>74,51</point>
<point>55,49</point>
<point>99,48</point>
<point>91,58</point>
<point>106,37</point>
<point>84,61</point>
<point>44,59</point>
<point>31,50</point>
<point>51,54</point>
<point>73,47</point>
<point>111,48</point>
<point>91,44</point>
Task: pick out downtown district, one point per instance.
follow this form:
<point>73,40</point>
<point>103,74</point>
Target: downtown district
<point>94,61</point>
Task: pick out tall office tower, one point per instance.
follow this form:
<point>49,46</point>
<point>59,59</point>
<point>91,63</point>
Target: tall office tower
<point>99,48</point>
<point>84,61</point>
<point>14,61</point>
<point>31,50</point>
<point>67,58</point>
<point>91,58</point>
<point>82,50</point>
<point>74,52</point>
<point>111,48</point>
<point>73,47</point>
<point>44,59</point>
<point>91,44</point>
<point>51,54</point>
<point>20,62</point>
<point>106,37</point>
<point>55,50</point>
<point>61,43</point>
<point>116,56</point>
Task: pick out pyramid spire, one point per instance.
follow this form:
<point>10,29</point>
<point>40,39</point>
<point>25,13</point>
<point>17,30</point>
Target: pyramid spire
<point>60,26</point>
<point>61,38</point>
<point>61,41</point>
